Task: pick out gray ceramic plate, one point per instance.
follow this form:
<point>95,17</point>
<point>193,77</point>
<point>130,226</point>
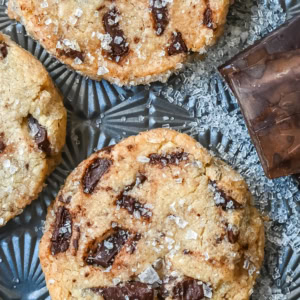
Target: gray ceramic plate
<point>100,114</point>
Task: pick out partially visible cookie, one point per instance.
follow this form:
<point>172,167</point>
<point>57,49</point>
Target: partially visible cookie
<point>32,128</point>
<point>154,217</point>
<point>127,41</point>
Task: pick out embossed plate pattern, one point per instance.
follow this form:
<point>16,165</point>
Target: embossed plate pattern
<point>197,102</point>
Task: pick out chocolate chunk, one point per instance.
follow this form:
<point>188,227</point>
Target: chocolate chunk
<point>118,45</point>
<point>93,174</point>
<point>62,232</point>
<point>219,239</point>
<point>71,53</point>
<point>222,199</point>
<point>162,292</point>
<point>76,238</point>
<point>40,135</point>
<point>3,50</point>
<point>177,44</point>
<point>107,250</point>
<point>66,200</point>
<point>245,247</point>
<point>173,158</point>
<point>75,244</point>
<point>132,290</point>
<point>2,145</point>
<point>191,289</point>
<point>101,7</point>
<point>208,18</point>
<point>140,179</point>
<point>232,236</point>
<point>133,206</point>
<point>159,10</point>
<point>265,80</point>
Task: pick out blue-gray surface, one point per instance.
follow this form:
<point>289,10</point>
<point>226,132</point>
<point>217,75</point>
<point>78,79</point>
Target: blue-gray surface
<point>195,101</point>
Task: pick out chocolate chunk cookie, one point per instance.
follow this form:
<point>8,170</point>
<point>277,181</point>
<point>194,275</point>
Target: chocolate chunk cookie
<point>127,42</point>
<point>32,128</point>
<point>154,217</point>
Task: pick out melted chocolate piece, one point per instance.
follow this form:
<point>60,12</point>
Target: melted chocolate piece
<point>119,46</point>
<point>62,232</point>
<point>93,174</point>
<point>224,200</point>
<point>132,290</point>
<point>2,145</point>
<point>107,250</point>
<point>71,53</point>
<point>140,179</point>
<point>265,79</point>
<point>177,44</point>
<point>77,237</point>
<point>159,10</point>
<point>173,158</point>
<point>3,49</point>
<point>220,239</point>
<point>162,293</point>
<point>133,206</point>
<point>189,289</point>
<point>232,236</point>
<point>101,7</point>
<point>75,244</point>
<point>208,18</point>
<point>64,200</point>
<point>40,135</point>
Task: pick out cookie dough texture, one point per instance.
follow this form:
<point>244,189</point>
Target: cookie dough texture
<point>154,217</point>
<point>32,128</point>
<point>127,42</point>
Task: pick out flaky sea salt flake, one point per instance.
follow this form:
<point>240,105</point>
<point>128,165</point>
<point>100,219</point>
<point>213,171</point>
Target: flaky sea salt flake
<point>191,235</point>
<point>149,276</point>
<point>143,159</point>
<point>102,70</point>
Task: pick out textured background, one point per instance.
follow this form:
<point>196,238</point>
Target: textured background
<point>195,101</point>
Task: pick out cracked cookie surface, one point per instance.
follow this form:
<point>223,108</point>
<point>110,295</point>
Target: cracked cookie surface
<point>32,128</point>
<point>127,41</point>
<point>153,217</point>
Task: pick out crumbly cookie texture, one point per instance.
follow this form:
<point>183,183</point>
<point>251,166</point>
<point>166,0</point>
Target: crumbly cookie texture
<point>127,42</point>
<point>154,217</point>
<point>32,128</point>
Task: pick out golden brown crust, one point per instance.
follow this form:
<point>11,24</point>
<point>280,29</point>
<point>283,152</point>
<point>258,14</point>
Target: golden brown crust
<point>30,105</point>
<point>65,24</point>
<point>194,234</point>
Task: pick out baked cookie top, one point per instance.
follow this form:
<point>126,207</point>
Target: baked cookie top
<point>127,41</point>
<point>32,128</point>
<point>154,217</point>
